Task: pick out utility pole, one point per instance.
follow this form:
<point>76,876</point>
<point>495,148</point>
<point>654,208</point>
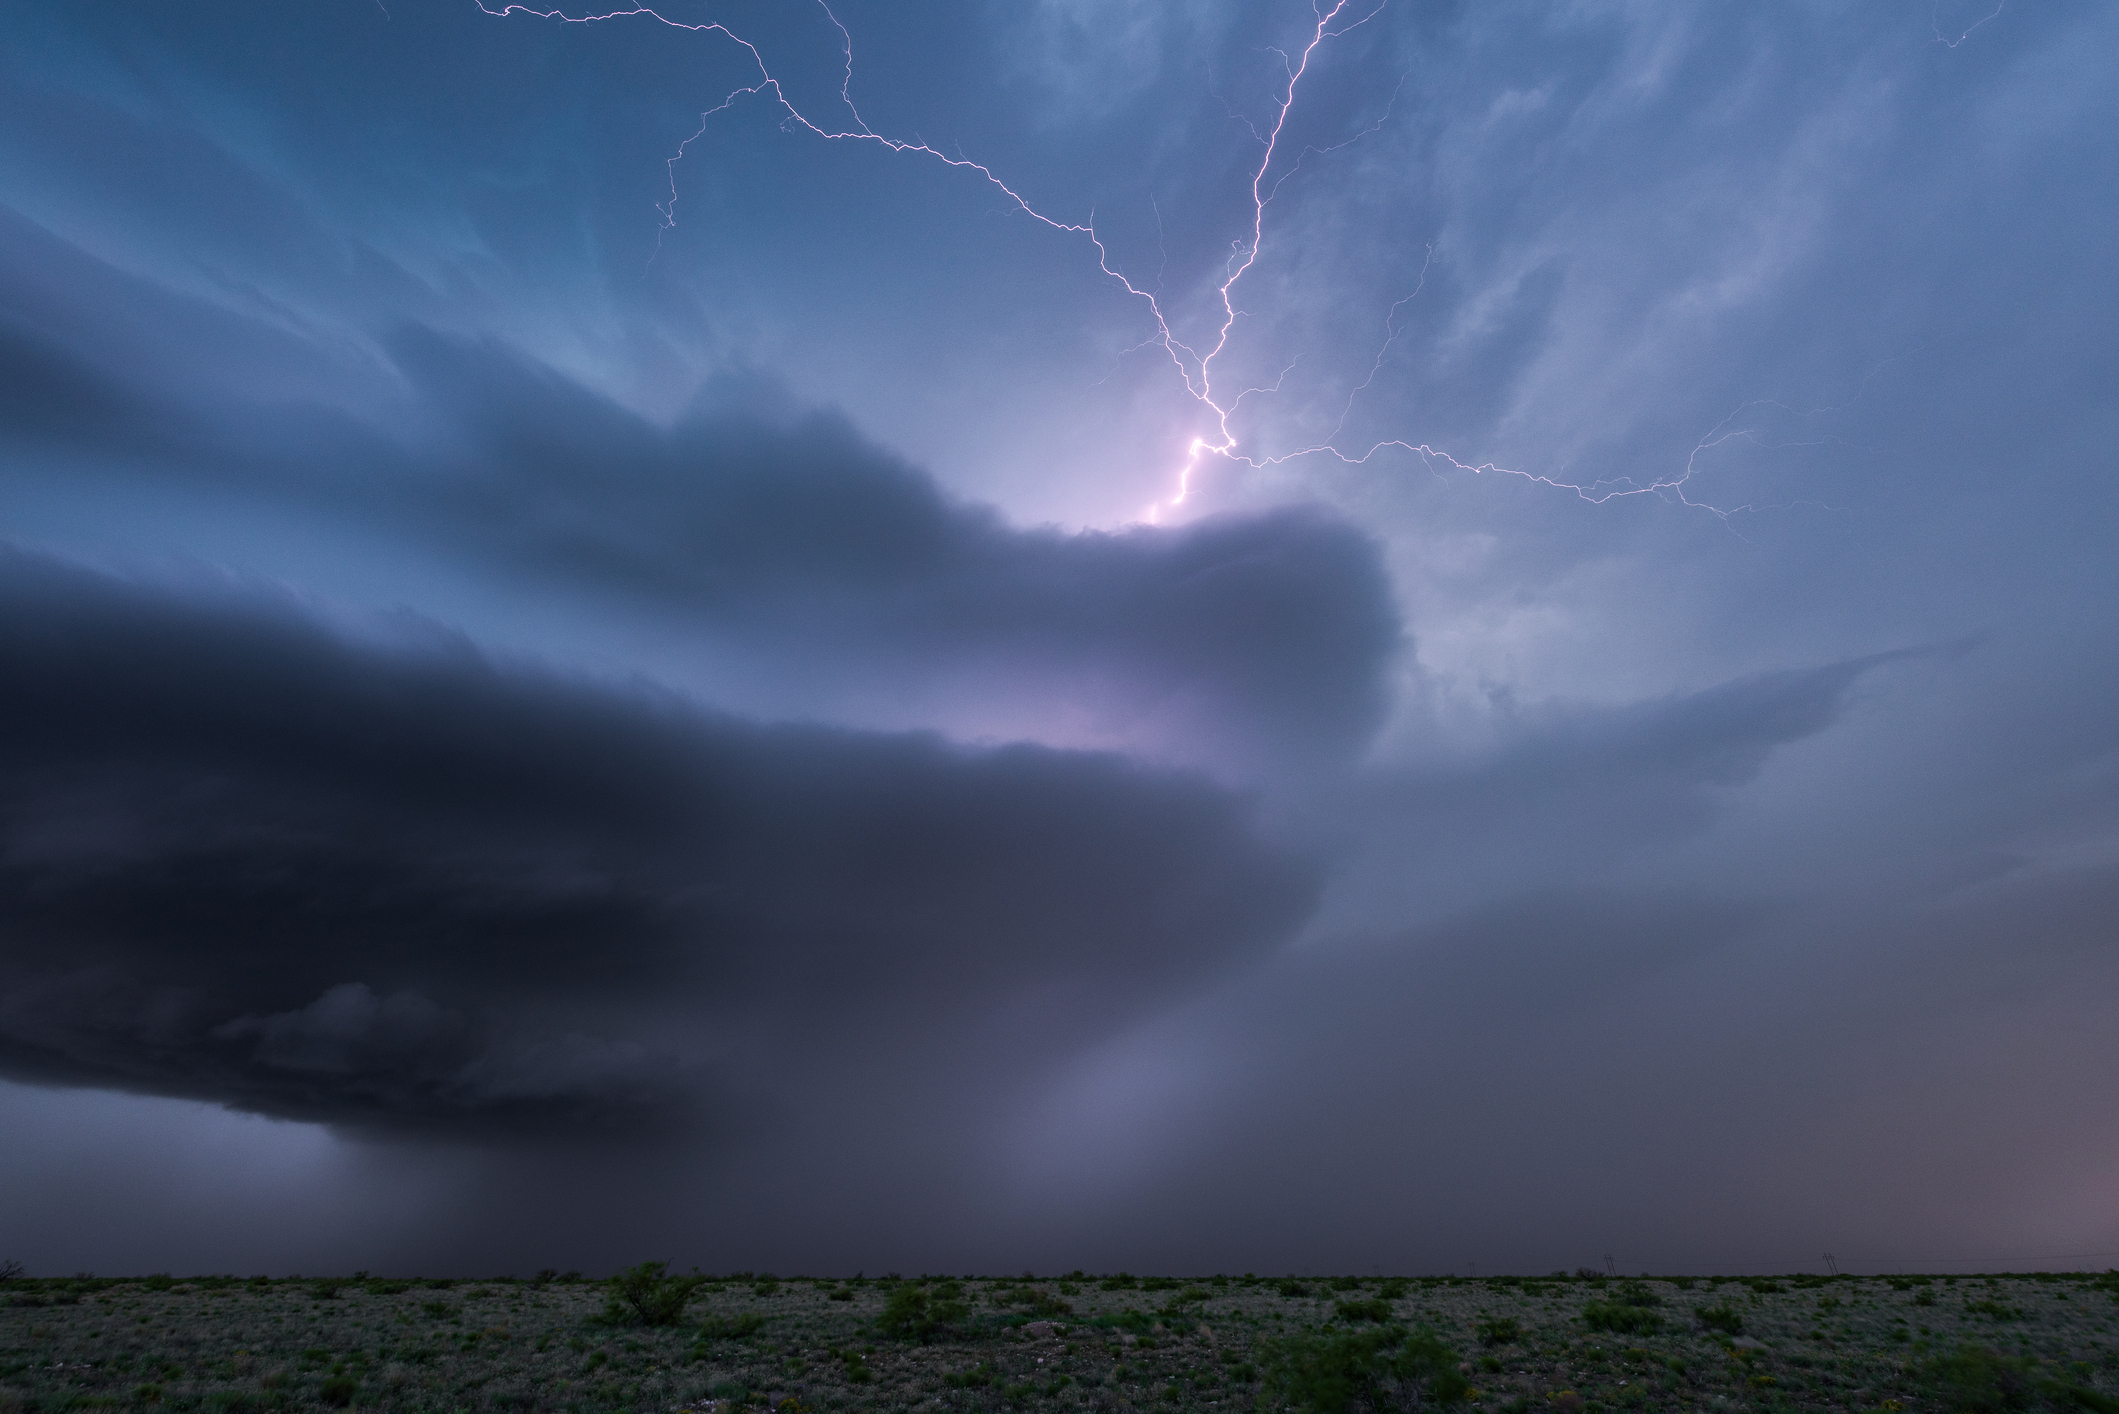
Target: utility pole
<point>1830,1265</point>
<point>1609,1265</point>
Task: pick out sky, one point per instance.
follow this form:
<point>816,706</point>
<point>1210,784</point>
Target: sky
<point>1105,634</point>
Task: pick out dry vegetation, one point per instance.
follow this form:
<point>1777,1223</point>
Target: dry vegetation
<point>1976,1345</point>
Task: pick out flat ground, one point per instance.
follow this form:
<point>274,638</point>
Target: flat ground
<point>1569,1346</point>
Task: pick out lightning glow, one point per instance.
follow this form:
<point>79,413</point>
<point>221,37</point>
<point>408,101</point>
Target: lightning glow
<point>1193,363</point>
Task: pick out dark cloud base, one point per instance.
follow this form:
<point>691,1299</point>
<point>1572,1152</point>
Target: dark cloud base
<point>396,885</point>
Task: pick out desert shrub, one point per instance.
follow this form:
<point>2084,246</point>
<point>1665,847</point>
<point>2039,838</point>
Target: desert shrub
<point>1978,1380</point>
<point>647,1296</point>
<point>1924,1298</point>
<point>1724,1318</point>
<point>919,1313</point>
<point>857,1371</point>
<point>338,1391</point>
<point>1620,1318</point>
<point>325,1290</point>
<point>1995,1309</point>
<point>1120,1282</point>
<point>438,1310</point>
<point>980,1374</point>
<point>1502,1331</point>
<point>741,1327</point>
<point>1635,1293</point>
<point>1138,1322</point>
<point>840,1293</point>
<point>10,1269</point>
<point>160,1281</point>
<point>1043,1303</point>
<point>1158,1283</point>
<point>1392,1289</point>
<point>1354,1311</point>
<point>388,1288</point>
<point>1329,1372</point>
<point>766,1285</point>
<point>1291,1288</point>
<point>2085,1398</point>
<point>1346,1283</point>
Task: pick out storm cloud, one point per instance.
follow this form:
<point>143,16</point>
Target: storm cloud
<point>393,884</point>
<point>559,705</point>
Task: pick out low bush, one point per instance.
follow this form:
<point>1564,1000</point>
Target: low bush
<point>1978,1380</point>
<point>1045,1304</point>
<point>1327,1372</point>
<point>1355,1311</point>
<point>920,1313</point>
<point>739,1327</point>
<point>1620,1318</point>
<point>647,1295</point>
<point>1503,1331</point>
<point>1726,1319</point>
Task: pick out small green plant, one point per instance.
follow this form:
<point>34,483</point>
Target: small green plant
<point>1044,1304</point>
<point>647,1295</point>
<point>739,1327</point>
<point>1723,1318</point>
<point>2085,1398</point>
<point>1621,1318</point>
<point>1978,1380</point>
<point>919,1313</point>
<point>857,1371</point>
<point>1327,1372</point>
<point>338,1390</point>
<point>1354,1311</point>
<point>1505,1330</point>
<point>979,1374</point>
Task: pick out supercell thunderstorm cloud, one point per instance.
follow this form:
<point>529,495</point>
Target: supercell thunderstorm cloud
<point>1087,633</point>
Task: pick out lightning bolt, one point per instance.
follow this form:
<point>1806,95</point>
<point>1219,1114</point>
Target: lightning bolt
<point>1194,364</point>
<point>1935,23</point>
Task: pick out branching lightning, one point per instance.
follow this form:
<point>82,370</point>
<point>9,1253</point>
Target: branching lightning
<point>1935,23</point>
<point>1194,364</point>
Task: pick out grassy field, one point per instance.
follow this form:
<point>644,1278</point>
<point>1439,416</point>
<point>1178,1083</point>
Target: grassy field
<point>223,1345</point>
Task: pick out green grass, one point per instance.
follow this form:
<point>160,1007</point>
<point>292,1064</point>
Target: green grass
<point>162,1345</point>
